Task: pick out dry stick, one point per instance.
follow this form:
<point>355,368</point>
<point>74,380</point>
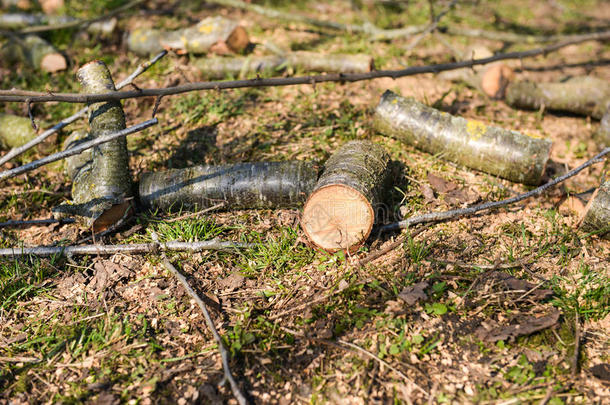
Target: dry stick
<point>461,212</point>
<point>224,355</point>
<point>76,150</point>
<point>432,27</point>
<point>33,96</point>
<point>45,221</point>
<point>126,249</point>
<point>143,67</point>
<point>78,23</point>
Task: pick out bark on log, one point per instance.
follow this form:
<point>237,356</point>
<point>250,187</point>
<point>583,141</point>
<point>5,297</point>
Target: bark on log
<point>238,186</point>
<point>602,135</point>
<point>597,212</point>
<point>76,163</point>
<point>583,95</point>
<point>101,187</point>
<point>217,68</point>
<point>36,52</point>
<point>505,153</point>
<point>16,21</point>
<point>340,212</point>
<point>15,131</point>
<point>213,34</point>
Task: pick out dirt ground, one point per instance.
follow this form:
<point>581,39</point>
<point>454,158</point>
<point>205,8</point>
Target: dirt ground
<point>415,325</point>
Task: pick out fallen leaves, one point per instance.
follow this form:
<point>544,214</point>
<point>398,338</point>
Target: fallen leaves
<point>493,332</point>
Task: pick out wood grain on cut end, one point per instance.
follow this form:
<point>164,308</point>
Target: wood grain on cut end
<point>495,79</point>
<point>596,218</point>
<point>238,40</point>
<point>337,217</point>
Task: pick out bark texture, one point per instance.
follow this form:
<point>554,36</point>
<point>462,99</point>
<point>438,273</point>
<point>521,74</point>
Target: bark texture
<point>213,34</point>
<point>340,212</point>
<point>238,186</point>
<point>15,131</point>
<point>101,186</point>
<point>76,163</point>
<point>602,135</point>
<point>583,95</point>
<point>597,212</point>
<point>508,154</point>
<point>36,52</point>
<point>15,21</point>
<point>217,68</point>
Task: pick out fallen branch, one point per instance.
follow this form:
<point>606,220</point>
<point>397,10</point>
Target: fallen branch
<point>35,52</point>
<point>224,354</point>
<point>34,222</point>
<point>15,21</point>
<point>462,212</point>
<point>172,246</point>
<point>76,150</point>
<point>143,67</point>
<point>431,27</point>
<point>15,130</point>
<point>34,97</point>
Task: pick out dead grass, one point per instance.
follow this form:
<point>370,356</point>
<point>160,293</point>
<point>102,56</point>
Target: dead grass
<point>303,326</point>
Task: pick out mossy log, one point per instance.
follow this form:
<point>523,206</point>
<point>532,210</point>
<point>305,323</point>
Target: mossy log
<point>596,218</point>
<point>101,187</point>
<point>340,212</point>
<point>583,95</point>
<point>213,34</point>
<point>219,67</point>
<point>505,153</point>
<point>237,186</point>
<point>602,135</point>
<point>15,131</point>
<point>34,51</point>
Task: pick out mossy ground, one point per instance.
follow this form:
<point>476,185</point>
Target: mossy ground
<point>303,326</point>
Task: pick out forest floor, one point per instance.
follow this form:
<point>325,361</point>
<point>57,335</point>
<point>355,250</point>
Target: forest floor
<point>304,326</point>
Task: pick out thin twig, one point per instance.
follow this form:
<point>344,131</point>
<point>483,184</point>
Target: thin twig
<point>195,214</point>
<point>130,248</point>
<point>462,212</point>
<point>33,222</point>
<point>224,354</point>
<point>143,67</point>
<point>576,344</point>
<point>380,252</point>
<point>76,150</point>
<point>81,23</point>
<point>16,95</point>
<point>432,27</point>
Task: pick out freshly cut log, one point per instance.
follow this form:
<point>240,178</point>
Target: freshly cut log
<point>101,188</point>
<point>340,212</point>
<point>15,131</point>
<point>505,153</point>
<point>237,186</point>
<point>597,212</point>
<point>213,34</point>
<point>583,95</point>
<point>219,67</point>
<point>602,135</point>
<point>36,52</point>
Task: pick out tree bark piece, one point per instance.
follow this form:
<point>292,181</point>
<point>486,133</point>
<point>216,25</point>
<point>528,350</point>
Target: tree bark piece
<point>36,52</point>
<point>602,135</point>
<point>597,212</point>
<point>340,212</point>
<point>213,34</point>
<point>15,131</point>
<point>239,186</point>
<point>583,95</point>
<point>217,68</point>
<point>505,153</point>
<point>101,187</point>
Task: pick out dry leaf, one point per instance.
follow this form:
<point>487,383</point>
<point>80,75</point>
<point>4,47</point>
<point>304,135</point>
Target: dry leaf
<point>414,293</point>
<point>526,326</point>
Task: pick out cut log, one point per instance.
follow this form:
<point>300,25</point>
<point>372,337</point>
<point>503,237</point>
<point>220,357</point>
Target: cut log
<point>14,21</point>
<point>596,218</point>
<point>501,152</point>
<point>602,135</point>
<point>76,163</point>
<point>213,34</point>
<point>15,131</point>
<point>217,68</point>
<point>36,52</point>
<point>237,186</point>
<point>101,188</point>
<point>340,212</point>
<point>583,95</point>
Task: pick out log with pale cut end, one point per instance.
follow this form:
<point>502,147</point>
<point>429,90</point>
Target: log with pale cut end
<point>583,95</point>
<point>236,186</point>
<point>597,212</point>
<point>15,131</point>
<point>213,34</point>
<point>34,51</point>
<point>602,135</point>
<point>101,188</point>
<point>505,153</point>
<point>340,212</point>
<point>220,67</point>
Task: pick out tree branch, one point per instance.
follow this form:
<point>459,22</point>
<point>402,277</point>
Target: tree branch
<point>462,212</point>
<point>143,67</point>
<point>23,95</point>
<point>76,150</point>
